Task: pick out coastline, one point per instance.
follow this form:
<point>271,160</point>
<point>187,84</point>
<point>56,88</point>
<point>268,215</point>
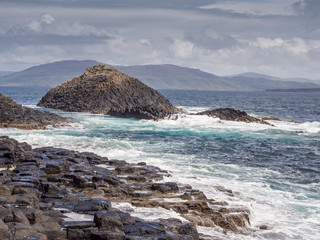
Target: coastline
<point>61,181</point>
<point>196,150</point>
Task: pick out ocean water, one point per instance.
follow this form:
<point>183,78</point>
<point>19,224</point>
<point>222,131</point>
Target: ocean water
<point>273,170</point>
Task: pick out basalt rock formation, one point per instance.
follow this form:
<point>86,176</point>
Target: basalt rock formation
<point>13,115</point>
<point>105,90</point>
<point>231,114</point>
<point>42,190</point>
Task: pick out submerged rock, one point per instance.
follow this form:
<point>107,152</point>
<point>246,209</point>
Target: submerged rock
<point>231,114</point>
<point>13,115</point>
<point>105,90</point>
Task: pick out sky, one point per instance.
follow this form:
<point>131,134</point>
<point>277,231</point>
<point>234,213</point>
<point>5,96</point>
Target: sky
<point>223,37</point>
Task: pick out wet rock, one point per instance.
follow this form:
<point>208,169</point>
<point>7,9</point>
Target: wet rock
<point>79,224</point>
<point>52,169</point>
<point>83,233</point>
<point>105,235</point>
<point>18,216</point>
<point>143,228</point>
<point>25,190</point>
<point>105,90</point>
<point>75,234</point>
<point>4,231</point>
<point>263,227</point>
<point>36,199</point>
<point>165,187</point>
<point>177,226</point>
<point>6,190</point>
<point>231,114</point>
<point>51,229</point>
<point>108,221</point>
<point>20,200</point>
<point>92,205</point>
<point>25,231</point>
<point>125,218</point>
<point>6,215</point>
<point>13,115</point>
<point>34,215</point>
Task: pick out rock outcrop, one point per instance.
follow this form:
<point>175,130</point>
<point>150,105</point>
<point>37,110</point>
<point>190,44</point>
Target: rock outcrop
<point>41,190</point>
<point>231,114</point>
<point>105,90</point>
<point>13,115</point>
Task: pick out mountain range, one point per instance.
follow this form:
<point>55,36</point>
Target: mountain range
<point>164,76</point>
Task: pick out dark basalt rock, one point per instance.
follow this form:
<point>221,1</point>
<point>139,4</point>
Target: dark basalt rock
<point>13,115</point>
<point>231,114</point>
<point>105,90</point>
<point>34,203</point>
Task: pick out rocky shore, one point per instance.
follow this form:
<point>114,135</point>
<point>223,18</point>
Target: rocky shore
<point>13,115</point>
<point>105,90</point>
<point>43,190</point>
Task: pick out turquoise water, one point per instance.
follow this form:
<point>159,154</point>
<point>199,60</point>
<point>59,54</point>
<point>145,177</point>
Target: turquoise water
<point>275,170</point>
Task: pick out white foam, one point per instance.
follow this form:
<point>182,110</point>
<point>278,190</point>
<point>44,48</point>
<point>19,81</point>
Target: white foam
<point>77,217</point>
<point>148,214</point>
<point>290,215</point>
<point>200,123</point>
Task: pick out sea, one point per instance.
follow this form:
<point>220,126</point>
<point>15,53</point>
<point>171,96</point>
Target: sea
<point>272,170</point>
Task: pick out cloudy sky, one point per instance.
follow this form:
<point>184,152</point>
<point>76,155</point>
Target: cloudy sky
<point>277,37</point>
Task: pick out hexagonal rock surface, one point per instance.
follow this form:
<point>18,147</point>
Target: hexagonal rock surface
<point>105,90</point>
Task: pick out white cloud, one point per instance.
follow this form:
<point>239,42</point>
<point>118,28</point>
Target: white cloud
<point>270,7</point>
<point>266,43</point>
<point>182,49</point>
<point>295,46</point>
<point>46,24</point>
<point>37,25</point>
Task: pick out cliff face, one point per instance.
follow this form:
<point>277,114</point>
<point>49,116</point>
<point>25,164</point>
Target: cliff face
<point>13,115</point>
<point>105,90</point>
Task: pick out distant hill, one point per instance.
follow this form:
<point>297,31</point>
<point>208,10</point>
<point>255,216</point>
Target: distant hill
<point>306,90</point>
<point>265,76</point>
<point>175,77</point>
<point>51,74</point>
<point>4,73</point>
<point>157,76</point>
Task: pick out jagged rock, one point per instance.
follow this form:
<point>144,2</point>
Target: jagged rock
<point>105,90</point>
<point>51,229</point>
<point>36,201</point>
<point>231,114</point>
<point>4,231</point>
<point>26,231</point>
<point>104,235</point>
<point>108,221</point>
<point>18,216</point>
<point>92,205</point>
<point>13,115</point>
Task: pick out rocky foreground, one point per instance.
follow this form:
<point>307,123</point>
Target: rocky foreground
<point>41,187</point>
<point>13,115</point>
<point>105,90</point>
